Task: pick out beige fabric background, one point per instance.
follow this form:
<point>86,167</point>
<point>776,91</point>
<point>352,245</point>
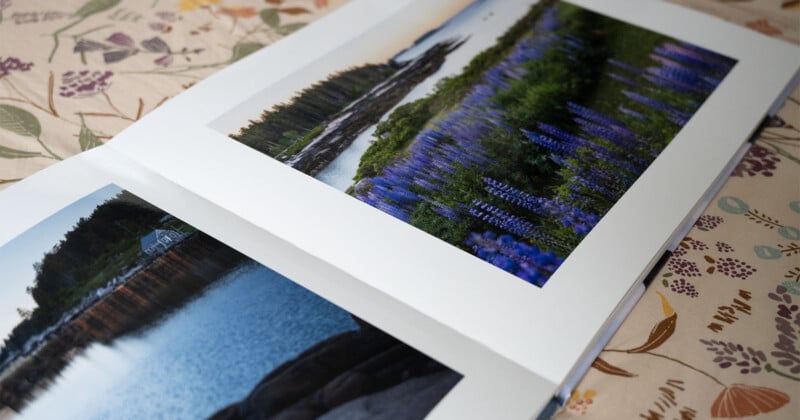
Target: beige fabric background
<point>136,54</point>
<point>716,334</point>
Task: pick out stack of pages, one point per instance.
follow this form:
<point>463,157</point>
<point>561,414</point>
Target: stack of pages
<point>407,209</point>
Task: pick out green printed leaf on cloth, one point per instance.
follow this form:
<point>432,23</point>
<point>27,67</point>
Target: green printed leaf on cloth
<point>96,6</point>
<point>19,121</point>
<point>270,17</point>
<point>287,29</point>
<point>243,49</point>
<point>9,153</point>
<point>86,138</point>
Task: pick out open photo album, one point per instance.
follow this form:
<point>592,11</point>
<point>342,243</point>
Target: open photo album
<point>408,209</point>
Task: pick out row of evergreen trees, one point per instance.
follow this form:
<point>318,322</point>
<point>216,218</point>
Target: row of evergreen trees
<point>86,258</point>
<point>285,124</point>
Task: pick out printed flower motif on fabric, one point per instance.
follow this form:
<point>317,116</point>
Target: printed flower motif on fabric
<point>708,222</point>
<point>679,269</point>
<point>579,402</point>
<point>734,205</point>
<point>779,137</point>
<point>735,400</point>
<point>84,83</point>
<point>758,161</point>
<point>90,8</point>
<point>119,46</point>
<point>787,323</point>
<point>786,354</point>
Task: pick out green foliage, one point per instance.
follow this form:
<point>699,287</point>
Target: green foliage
<point>294,142</point>
<point>98,248</point>
<point>393,136</point>
<point>278,128</point>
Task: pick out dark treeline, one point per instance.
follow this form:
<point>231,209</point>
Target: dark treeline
<point>95,250</point>
<point>287,124</point>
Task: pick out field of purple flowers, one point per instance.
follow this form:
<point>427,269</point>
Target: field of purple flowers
<point>516,159</point>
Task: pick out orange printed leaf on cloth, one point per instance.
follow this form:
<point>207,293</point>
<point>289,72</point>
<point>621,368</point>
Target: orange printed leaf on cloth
<point>242,12</point>
<point>610,369</point>
<point>763,26</point>
<point>740,400</point>
<point>662,331</point>
<point>321,3</point>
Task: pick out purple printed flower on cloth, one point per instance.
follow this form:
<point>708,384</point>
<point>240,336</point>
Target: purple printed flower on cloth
<point>10,64</point>
<point>759,160</point>
<point>80,84</point>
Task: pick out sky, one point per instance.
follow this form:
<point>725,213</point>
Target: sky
<point>18,256</point>
<point>374,46</point>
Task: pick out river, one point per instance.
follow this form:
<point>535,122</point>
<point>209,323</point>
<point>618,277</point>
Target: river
<point>482,22</point>
<point>208,354</point>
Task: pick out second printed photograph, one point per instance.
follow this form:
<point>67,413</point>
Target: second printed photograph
<point>113,308</point>
<point>509,131</point>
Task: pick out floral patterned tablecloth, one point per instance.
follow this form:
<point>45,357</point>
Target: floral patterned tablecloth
<point>75,73</point>
<point>716,334</point>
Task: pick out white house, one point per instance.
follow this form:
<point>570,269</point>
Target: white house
<point>160,240</point>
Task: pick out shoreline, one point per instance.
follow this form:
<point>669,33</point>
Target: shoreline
<point>346,125</point>
<point>163,286</point>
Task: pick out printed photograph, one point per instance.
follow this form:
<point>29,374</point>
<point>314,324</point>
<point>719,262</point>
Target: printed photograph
<point>113,308</point>
<point>509,131</point>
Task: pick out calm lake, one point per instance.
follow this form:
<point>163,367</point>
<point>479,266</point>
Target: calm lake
<point>208,354</point>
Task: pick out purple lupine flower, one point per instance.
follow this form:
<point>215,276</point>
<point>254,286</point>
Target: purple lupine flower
<point>525,261</point>
<point>639,116</point>
<point>676,116</point>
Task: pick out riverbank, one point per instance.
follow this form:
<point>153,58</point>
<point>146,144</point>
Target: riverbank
<point>165,284</point>
<point>339,376</point>
<point>345,126</point>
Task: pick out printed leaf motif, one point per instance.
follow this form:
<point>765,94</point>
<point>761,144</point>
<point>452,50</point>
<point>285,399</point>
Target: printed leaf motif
<point>243,49</point>
<point>118,55</point>
<point>733,205</point>
<point>121,39</point>
<point>740,400</point>
<point>20,121</point>
<point>270,17</point>
<point>610,369</point>
<point>665,306</point>
<point>791,4</point>
<point>95,6</point>
<point>294,10</point>
<point>658,335</point>
<point>662,331</point>
<point>9,153</point>
<point>85,45</point>
<point>155,44</point>
<point>767,252</point>
<point>287,29</point>
<point>86,138</point>
<point>789,232</point>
